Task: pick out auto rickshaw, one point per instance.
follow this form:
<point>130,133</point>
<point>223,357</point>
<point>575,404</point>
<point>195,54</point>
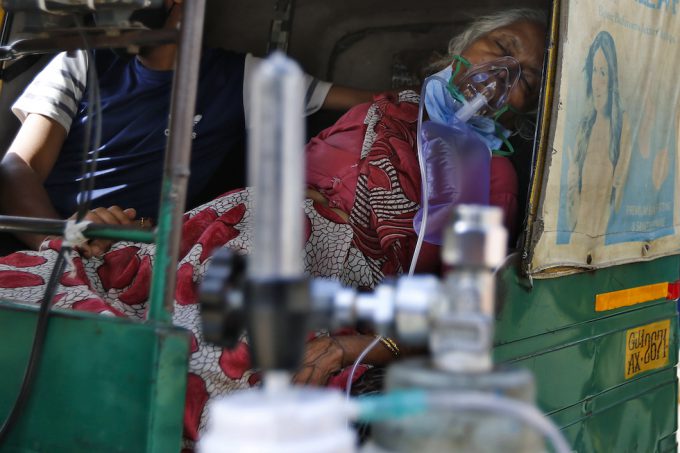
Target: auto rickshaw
<point>587,298</point>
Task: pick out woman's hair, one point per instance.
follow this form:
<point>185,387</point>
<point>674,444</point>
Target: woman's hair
<point>612,110</point>
<point>483,25</point>
<point>604,42</point>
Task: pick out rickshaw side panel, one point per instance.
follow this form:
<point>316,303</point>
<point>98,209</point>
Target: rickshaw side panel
<point>103,385</point>
<point>588,377</point>
<point>636,417</point>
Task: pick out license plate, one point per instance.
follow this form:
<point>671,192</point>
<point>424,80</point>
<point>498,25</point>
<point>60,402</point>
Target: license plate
<point>647,347</point>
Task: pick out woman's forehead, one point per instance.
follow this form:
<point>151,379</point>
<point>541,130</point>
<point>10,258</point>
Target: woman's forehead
<point>523,35</point>
<point>525,40</point>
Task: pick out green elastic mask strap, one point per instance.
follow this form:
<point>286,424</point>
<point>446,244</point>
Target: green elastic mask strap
<point>453,89</point>
<point>500,152</point>
<point>499,133</point>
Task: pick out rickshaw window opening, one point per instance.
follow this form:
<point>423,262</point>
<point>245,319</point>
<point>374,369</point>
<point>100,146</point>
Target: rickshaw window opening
<point>541,136</point>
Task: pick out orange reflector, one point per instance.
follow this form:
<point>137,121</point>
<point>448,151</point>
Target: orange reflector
<point>632,296</point>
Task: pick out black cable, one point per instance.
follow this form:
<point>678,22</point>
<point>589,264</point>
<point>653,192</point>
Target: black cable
<point>37,348</point>
<point>93,111</point>
<point>86,188</point>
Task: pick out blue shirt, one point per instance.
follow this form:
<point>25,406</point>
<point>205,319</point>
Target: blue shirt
<point>135,108</point>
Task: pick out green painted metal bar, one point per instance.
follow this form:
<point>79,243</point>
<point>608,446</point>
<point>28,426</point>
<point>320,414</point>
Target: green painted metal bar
<point>177,159</point>
<point>168,388</point>
<point>12,224</point>
<point>73,41</point>
<point>122,234</point>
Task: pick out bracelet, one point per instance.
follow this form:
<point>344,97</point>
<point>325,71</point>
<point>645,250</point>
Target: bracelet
<point>390,345</point>
<point>45,244</point>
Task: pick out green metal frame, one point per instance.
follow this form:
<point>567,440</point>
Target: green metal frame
<point>106,384</point>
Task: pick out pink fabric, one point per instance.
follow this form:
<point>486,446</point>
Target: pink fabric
<point>335,163</point>
<point>503,191</point>
<point>333,156</point>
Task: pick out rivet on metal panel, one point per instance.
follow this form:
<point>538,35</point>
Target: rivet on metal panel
<point>586,407</point>
<point>645,249</point>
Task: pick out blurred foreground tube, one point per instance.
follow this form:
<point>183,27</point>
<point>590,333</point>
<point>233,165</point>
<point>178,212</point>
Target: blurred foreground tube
<point>276,169</point>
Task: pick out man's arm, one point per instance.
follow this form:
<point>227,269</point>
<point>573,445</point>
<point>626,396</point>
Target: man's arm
<point>344,98</point>
<point>24,169</point>
<point>318,94</point>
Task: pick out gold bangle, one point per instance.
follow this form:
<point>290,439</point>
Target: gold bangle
<point>390,345</point>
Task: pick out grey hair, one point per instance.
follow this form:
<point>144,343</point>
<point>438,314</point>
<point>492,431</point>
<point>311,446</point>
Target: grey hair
<point>483,25</point>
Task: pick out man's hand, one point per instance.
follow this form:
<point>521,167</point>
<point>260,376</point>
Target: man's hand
<point>111,216</point>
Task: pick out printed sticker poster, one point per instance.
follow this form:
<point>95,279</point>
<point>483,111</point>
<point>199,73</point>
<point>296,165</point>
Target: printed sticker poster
<point>610,193</point>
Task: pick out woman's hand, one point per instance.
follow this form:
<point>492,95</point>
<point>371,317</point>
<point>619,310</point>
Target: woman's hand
<point>324,356</point>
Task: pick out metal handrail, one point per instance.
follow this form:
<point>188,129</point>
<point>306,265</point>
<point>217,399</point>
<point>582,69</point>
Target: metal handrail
<point>60,41</point>
<point>14,224</point>
<point>177,162</point>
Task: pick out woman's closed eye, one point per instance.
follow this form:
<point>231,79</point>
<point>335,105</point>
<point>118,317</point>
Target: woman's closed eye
<point>524,80</point>
<point>504,50</point>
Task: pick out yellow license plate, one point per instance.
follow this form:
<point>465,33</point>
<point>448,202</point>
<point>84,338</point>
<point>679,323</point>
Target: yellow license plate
<point>647,347</point>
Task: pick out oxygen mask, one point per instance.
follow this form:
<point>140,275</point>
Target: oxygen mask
<point>457,140</point>
<point>486,87</point>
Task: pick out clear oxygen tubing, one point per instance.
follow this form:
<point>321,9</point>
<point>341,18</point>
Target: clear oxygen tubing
<point>423,175</point>
<point>407,403</point>
<point>362,356</point>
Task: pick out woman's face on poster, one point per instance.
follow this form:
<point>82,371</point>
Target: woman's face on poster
<point>600,81</point>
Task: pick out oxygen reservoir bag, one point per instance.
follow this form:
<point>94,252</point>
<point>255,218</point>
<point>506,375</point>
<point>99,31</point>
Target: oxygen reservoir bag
<point>456,141</point>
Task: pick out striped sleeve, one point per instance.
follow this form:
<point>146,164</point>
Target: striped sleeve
<point>315,89</point>
<point>56,91</point>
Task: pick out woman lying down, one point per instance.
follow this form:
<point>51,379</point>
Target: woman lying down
<point>364,191</point>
